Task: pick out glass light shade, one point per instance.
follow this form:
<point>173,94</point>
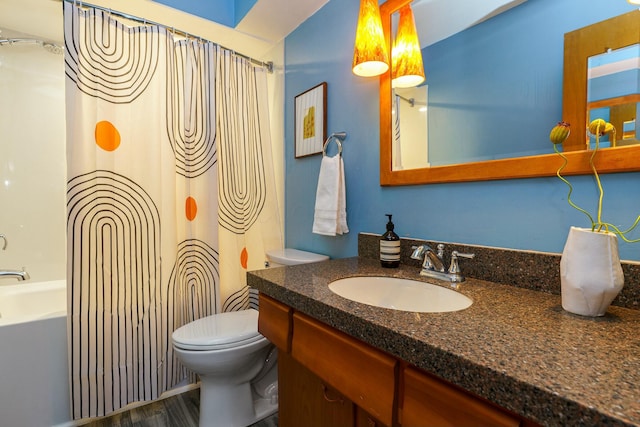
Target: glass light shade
<point>634,1</point>
<point>407,69</point>
<point>370,56</point>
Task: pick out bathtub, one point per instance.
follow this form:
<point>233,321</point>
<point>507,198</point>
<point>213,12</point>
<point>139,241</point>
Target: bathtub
<point>34,384</point>
<point>22,302</point>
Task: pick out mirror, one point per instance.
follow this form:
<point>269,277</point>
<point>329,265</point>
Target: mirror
<point>614,33</point>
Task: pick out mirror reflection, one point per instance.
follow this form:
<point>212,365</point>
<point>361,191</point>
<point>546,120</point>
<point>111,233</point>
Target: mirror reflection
<point>409,98</point>
<point>410,132</point>
<point>458,98</point>
<point>613,94</point>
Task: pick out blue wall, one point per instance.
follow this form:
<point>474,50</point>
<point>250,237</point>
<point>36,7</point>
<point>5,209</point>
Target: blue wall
<point>528,214</point>
<point>225,12</point>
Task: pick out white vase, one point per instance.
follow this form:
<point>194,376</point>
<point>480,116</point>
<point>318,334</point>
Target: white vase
<point>590,271</point>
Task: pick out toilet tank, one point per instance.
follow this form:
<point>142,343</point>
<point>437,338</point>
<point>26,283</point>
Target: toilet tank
<point>288,256</point>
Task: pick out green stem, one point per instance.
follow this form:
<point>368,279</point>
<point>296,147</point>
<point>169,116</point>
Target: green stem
<point>635,224</point>
<point>570,186</point>
<point>595,174</point>
<point>622,235</point>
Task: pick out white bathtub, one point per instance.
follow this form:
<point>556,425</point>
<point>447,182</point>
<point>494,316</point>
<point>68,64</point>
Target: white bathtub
<point>34,385</point>
<point>24,301</point>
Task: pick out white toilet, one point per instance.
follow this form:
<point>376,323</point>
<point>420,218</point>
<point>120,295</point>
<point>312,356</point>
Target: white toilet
<point>236,364</point>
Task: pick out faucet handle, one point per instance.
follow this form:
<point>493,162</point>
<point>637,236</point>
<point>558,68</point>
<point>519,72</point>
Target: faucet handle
<point>455,267</point>
<point>457,254</point>
<point>418,251</point>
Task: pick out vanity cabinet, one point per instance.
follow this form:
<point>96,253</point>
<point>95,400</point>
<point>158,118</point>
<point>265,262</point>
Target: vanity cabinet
<point>328,378</point>
<point>429,401</point>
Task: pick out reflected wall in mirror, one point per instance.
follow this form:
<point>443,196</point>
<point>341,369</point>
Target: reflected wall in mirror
<point>410,135</point>
<point>613,94</point>
<point>537,87</point>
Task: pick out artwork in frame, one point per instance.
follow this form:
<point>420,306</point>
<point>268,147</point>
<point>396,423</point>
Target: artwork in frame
<point>311,121</point>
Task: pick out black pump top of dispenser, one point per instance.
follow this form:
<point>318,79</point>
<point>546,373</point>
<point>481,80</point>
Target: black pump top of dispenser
<point>390,225</point>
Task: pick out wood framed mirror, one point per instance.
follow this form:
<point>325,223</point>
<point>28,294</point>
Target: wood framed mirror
<point>613,33</point>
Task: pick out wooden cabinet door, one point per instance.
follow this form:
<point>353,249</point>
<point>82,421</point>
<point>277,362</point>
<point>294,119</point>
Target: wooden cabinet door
<point>364,374</point>
<point>305,400</point>
<point>428,401</point>
<point>274,322</point>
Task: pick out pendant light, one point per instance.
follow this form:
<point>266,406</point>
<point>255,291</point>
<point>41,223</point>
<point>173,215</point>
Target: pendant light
<point>407,69</point>
<point>370,56</point>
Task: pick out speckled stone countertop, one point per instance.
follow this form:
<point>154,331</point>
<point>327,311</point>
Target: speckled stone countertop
<point>516,347</point>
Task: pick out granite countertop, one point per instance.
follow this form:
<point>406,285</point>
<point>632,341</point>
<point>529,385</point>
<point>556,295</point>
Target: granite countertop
<point>516,347</point>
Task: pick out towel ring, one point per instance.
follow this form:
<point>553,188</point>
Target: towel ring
<point>339,137</point>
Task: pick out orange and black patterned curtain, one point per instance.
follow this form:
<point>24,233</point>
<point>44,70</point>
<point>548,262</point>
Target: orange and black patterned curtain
<point>170,199</point>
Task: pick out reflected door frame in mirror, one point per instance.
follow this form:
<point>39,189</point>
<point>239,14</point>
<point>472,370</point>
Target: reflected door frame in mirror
<point>579,45</point>
<point>621,30</point>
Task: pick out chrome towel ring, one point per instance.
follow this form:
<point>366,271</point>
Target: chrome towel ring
<point>339,137</point>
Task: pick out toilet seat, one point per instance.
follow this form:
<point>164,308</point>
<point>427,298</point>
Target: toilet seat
<point>219,331</point>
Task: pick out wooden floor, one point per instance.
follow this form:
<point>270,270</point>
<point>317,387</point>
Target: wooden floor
<point>175,411</point>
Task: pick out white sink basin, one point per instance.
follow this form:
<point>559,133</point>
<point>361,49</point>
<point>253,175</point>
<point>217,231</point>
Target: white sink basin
<point>400,294</point>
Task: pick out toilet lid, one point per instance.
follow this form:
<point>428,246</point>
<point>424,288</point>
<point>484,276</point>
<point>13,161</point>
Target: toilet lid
<point>223,330</point>
<point>290,256</point>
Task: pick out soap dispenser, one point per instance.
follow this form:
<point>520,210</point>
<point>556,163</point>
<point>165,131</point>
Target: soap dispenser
<point>390,247</point>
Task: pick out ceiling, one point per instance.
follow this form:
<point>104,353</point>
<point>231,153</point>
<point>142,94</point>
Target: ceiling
<point>448,17</point>
<point>263,27</point>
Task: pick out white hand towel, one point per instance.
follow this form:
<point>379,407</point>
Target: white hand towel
<point>330,217</point>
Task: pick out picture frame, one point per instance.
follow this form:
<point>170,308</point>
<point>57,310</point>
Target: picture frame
<point>310,118</point>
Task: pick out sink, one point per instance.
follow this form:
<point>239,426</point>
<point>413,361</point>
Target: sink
<point>400,294</point>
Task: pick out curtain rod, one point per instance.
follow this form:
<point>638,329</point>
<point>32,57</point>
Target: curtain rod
<point>411,101</point>
<point>267,65</point>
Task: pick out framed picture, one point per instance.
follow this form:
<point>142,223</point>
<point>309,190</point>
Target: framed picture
<point>311,121</point>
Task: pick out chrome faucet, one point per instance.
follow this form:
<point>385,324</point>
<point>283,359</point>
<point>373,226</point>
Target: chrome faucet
<point>20,275</point>
<point>433,263</point>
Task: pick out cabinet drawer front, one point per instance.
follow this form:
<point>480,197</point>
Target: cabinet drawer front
<point>428,401</point>
<point>363,374</point>
<point>274,322</point>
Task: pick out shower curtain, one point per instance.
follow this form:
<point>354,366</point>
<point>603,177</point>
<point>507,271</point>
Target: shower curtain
<point>170,199</point>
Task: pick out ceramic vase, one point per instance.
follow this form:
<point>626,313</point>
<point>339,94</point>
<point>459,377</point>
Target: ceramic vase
<point>590,272</point>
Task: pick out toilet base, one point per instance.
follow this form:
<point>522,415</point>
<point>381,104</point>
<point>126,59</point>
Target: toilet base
<point>264,408</point>
<point>228,405</point>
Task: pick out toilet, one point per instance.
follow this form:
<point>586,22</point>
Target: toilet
<point>236,364</point>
